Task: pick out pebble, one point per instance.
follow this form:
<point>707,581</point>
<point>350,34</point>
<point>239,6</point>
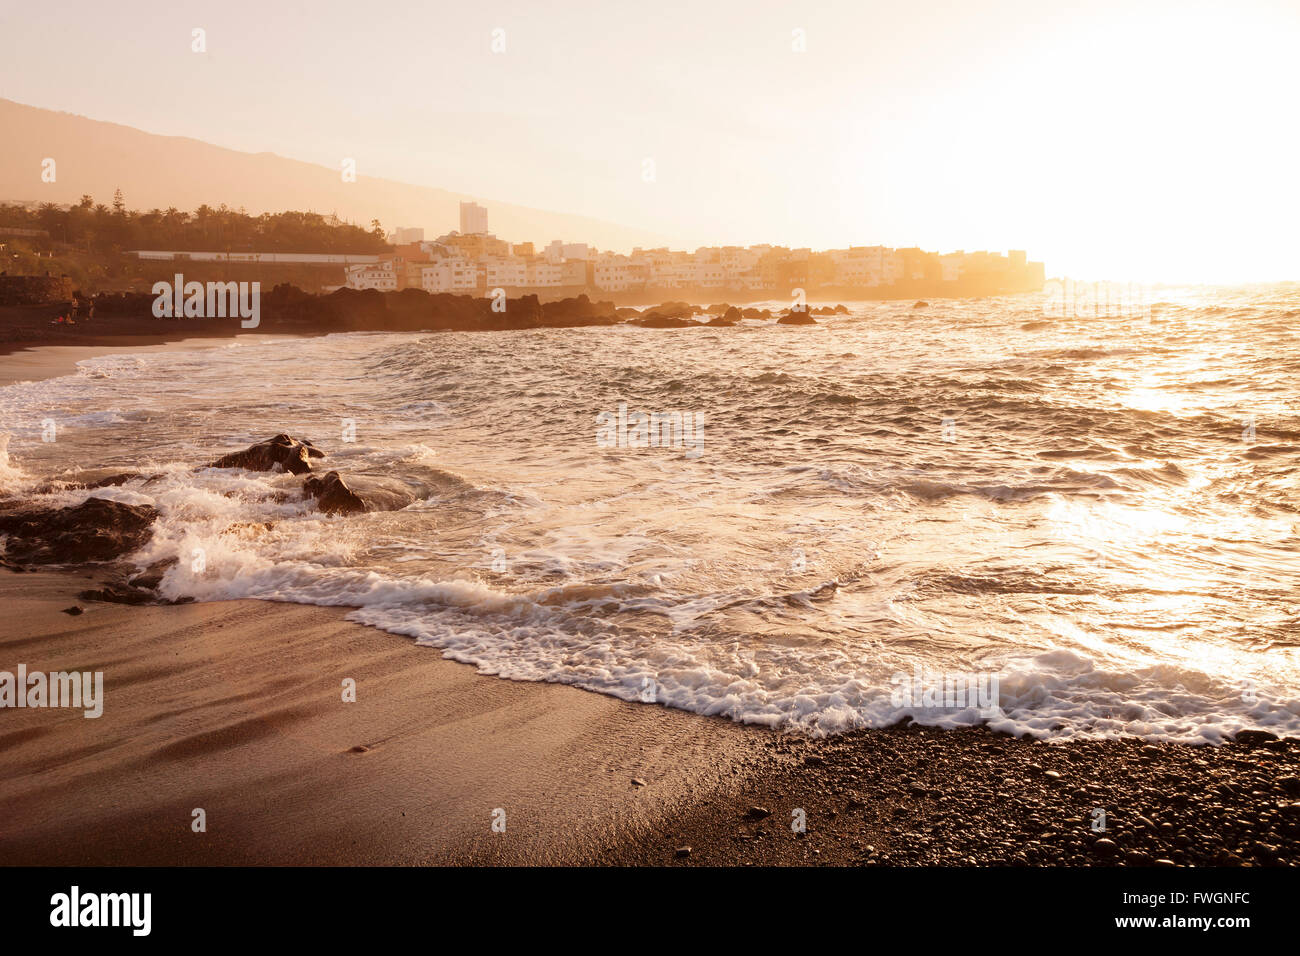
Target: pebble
<point>1104,847</point>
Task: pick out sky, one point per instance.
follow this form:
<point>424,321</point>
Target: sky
<point>1149,141</point>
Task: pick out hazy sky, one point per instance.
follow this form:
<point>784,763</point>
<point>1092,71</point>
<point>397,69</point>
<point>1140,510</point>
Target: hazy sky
<point>1111,139</point>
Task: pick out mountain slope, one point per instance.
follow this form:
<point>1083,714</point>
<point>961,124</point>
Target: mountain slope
<point>96,157</point>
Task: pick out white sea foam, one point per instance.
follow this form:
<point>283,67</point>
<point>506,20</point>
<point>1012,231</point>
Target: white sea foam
<point>823,546</point>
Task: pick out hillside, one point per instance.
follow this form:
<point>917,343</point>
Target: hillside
<point>97,158</point>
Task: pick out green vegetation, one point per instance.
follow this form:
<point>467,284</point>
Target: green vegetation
<point>96,229</point>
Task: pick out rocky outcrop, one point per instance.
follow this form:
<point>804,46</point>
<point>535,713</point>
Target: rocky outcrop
<point>288,454</point>
<point>577,312</point>
<point>792,317</point>
<point>333,495</point>
<point>93,531</point>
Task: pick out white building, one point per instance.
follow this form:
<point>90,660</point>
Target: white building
<point>378,275</point>
<point>863,265</point>
<point>559,250</point>
<point>501,272</point>
<point>405,235</point>
<point>449,275</point>
<point>612,273</point>
<point>473,219</point>
<point>542,274</point>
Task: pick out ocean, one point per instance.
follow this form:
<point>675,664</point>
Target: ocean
<point>799,527</point>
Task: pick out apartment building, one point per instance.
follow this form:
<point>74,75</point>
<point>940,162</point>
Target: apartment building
<point>372,275</point>
<point>448,274</point>
<point>475,260</point>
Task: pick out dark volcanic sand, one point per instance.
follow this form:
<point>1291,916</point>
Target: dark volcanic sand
<point>912,796</point>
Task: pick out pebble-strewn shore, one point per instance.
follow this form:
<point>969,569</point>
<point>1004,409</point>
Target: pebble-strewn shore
<point>911,796</point>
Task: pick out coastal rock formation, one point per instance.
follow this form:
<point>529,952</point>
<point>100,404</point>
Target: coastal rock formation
<point>333,495</point>
<point>95,530</point>
<point>152,576</point>
<point>676,310</point>
<point>289,454</point>
<point>124,587</point>
<point>792,317</point>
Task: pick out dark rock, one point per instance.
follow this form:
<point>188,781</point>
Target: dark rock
<point>152,576</point>
<point>74,610</point>
<point>110,481</point>
<point>119,594</point>
<point>1254,738</point>
<point>288,454</point>
<point>682,852</point>
<point>759,813</point>
<point>1104,847</point>
<point>1290,785</point>
<point>333,495</point>
<point>95,530</point>
<point>922,304</point>
<point>796,318</point>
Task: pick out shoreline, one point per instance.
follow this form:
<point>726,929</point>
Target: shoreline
<point>36,362</point>
<point>235,707</point>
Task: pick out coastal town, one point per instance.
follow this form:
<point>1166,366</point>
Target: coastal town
<point>473,260</point>
<point>113,249</point>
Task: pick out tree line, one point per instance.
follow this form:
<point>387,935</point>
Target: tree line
<point>96,228</point>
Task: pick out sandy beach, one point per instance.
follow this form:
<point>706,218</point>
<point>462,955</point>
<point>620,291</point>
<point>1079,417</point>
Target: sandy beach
<point>32,363</point>
<point>236,708</point>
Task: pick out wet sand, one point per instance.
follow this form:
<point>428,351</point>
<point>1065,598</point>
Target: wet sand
<point>236,708</point>
<point>35,363</point>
